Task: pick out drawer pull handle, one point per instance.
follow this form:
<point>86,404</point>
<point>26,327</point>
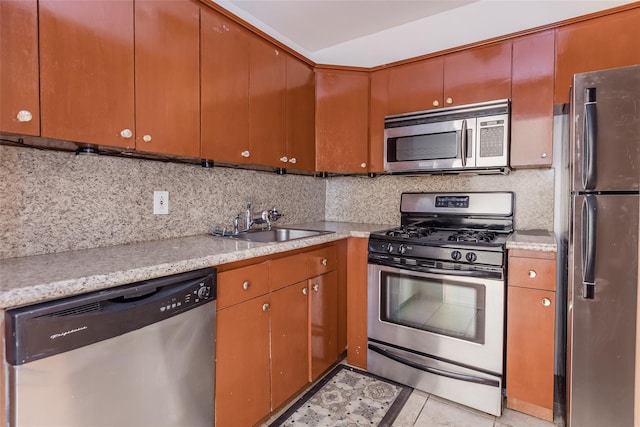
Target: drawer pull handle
<point>265,307</point>
<point>532,274</point>
<point>546,302</point>
<point>315,288</point>
<point>246,285</point>
<point>305,290</point>
<point>324,261</point>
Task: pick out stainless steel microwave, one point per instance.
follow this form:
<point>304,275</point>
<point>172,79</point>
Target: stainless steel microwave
<point>470,138</point>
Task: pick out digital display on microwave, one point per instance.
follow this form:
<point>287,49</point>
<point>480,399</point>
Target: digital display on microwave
<point>452,201</point>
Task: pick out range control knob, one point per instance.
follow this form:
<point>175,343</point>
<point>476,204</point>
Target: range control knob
<point>456,255</point>
<point>402,249</point>
<point>471,257</point>
<point>389,248</point>
<point>203,292</point>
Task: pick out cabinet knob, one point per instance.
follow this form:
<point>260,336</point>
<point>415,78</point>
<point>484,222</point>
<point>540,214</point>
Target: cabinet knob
<point>146,138</point>
<point>293,160</point>
<point>532,274</point>
<point>449,101</point>
<point>126,133</point>
<point>363,165</point>
<point>245,153</point>
<point>315,288</point>
<point>284,159</point>
<point>324,261</point>
<point>543,155</point>
<point>24,116</point>
<point>305,290</point>
<point>265,307</point>
<point>224,27</point>
<point>246,285</point>
<point>546,302</point>
<point>436,103</point>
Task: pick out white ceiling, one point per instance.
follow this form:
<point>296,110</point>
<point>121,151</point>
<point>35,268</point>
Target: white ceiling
<point>368,33</point>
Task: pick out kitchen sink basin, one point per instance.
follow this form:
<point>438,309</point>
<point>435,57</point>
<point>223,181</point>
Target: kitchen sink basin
<point>277,235</point>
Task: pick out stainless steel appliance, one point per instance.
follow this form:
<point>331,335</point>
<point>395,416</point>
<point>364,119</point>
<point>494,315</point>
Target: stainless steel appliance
<point>436,289</point>
<point>137,355</point>
<point>603,248</point>
<point>452,140</point>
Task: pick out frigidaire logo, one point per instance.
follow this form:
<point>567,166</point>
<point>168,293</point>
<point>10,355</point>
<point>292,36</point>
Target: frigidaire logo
<point>64,334</point>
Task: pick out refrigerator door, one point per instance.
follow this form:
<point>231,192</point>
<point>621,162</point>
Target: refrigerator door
<point>603,279</point>
<point>606,130</point>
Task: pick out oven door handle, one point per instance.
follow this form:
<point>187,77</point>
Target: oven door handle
<point>435,371</point>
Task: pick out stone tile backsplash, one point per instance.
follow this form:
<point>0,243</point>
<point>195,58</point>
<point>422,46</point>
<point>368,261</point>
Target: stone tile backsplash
<point>54,201</point>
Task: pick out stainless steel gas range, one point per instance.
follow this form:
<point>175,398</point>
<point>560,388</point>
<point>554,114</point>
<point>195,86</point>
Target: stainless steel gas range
<point>436,288</point>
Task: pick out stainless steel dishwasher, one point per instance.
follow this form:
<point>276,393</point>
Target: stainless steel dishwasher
<point>137,355</point>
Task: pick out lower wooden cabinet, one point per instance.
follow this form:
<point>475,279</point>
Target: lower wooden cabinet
<point>323,319</point>
<point>531,307</point>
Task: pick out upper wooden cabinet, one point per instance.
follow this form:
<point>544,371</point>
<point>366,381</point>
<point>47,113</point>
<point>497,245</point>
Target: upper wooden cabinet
<point>416,86</point>
<point>88,85</point>
<point>267,87</point>
<point>224,89</point>
<point>20,100</point>
<point>532,100</point>
<point>86,71</point>
<point>300,115</point>
<point>378,109</point>
<point>478,74</point>
<point>609,41</point>
<point>167,84</point>
<point>342,121</point>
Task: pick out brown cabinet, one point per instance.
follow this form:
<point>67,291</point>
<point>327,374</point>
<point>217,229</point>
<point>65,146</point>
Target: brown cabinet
<point>530,332</point>
<point>342,121</point>
<point>19,81</point>
<point>267,87</point>
<point>416,86</point>
<point>532,100</point>
<point>224,89</point>
<point>609,41</point>
<point>378,109</point>
<point>300,115</point>
<point>88,53</point>
<point>356,270</point>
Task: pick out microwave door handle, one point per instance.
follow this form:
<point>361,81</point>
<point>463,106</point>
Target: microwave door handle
<point>463,143</point>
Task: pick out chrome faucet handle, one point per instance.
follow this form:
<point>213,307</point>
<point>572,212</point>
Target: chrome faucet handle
<point>236,224</point>
<point>274,214</point>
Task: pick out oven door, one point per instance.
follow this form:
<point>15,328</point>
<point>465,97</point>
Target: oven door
<point>446,144</point>
<point>453,318</point>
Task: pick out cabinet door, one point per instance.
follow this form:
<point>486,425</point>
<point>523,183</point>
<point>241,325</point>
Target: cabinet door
<point>20,100</point>
<point>289,342</point>
<point>607,42</point>
<point>342,120</point>
<point>267,84</point>
<point>530,347</point>
<point>167,83</point>
<point>416,86</point>
<point>323,322</point>
<point>86,71</point>
<point>532,100</point>
<point>242,363</point>
<point>378,109</point>
<point>478,75</point>
<point>300,116</point>
<point>225,89</point>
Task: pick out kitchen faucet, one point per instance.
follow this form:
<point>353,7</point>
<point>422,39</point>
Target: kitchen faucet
<point>266,217</point>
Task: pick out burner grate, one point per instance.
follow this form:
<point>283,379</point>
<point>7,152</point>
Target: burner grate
<point>410,232</point>
<point>473,236</point>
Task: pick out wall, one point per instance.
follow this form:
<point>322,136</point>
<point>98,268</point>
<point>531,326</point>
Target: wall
<point>55,201</point>
<point>377,200</point>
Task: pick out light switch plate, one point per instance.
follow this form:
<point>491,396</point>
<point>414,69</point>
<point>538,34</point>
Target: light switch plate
<point>160,202</point>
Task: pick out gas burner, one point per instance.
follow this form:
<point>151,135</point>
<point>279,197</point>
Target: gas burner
<point>409,232</point>
<point>473,236</point>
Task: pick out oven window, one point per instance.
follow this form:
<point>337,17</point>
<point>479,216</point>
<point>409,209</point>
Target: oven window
<point>450,308</point>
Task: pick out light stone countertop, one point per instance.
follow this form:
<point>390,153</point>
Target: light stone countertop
<point>33,279</point>
<point>533,240</point>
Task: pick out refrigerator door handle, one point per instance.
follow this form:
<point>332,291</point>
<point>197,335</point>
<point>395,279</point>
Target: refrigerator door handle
<point>589,221</point>
<point>590,143</point>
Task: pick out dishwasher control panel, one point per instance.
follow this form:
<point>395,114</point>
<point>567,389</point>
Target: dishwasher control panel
<point>195,295</point>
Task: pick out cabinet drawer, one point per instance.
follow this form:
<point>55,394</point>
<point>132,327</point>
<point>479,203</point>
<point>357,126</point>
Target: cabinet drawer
<point>322,260</point>
<point>241,284</point>
<point>287,271</point>
<point>532,273</point>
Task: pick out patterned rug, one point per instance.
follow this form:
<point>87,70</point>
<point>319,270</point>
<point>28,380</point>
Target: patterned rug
<point>347,397</point>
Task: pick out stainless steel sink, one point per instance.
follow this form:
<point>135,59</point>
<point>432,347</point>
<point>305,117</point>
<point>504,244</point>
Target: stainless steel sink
<point>277,235</point>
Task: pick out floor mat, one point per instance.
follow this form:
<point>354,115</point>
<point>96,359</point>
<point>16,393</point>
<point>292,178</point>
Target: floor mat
<point>347,397</point>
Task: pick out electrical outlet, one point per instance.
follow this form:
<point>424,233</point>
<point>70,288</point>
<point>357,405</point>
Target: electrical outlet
<point>160,202</point>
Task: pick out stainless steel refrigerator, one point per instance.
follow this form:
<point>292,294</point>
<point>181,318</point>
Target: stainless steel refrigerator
<point>603,248</point>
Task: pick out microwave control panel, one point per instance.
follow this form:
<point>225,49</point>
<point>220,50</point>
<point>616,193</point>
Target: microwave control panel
<point>492,138</point>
